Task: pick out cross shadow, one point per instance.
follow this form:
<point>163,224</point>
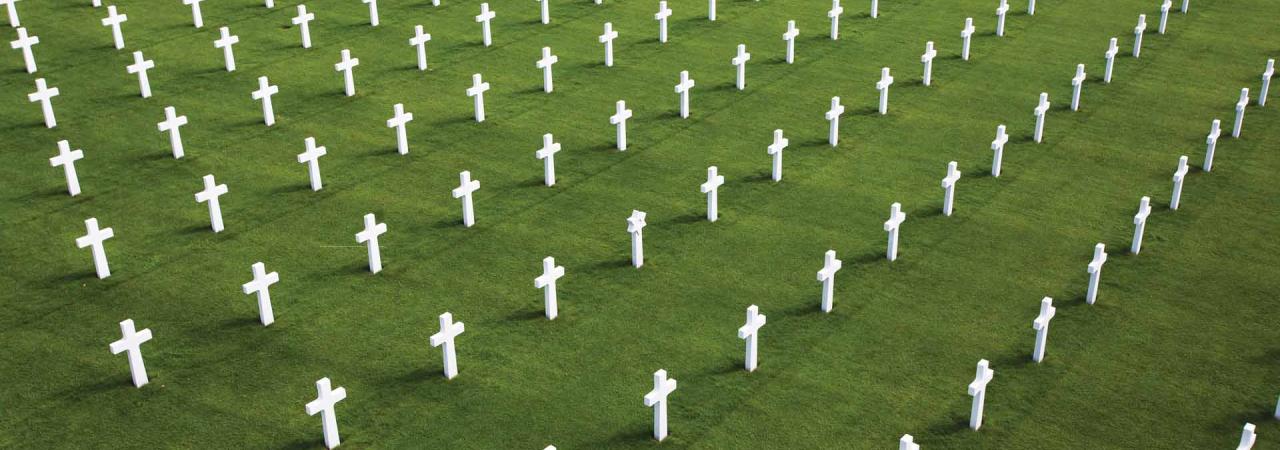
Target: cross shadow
<point>611,264</point>
<point>759,176</point>
<point>527,315</point>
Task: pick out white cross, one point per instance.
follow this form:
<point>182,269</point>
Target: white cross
<point>261,283</point>
<point>657,399</point>
<point>966,34</point>
<point>345,66</point>
<point>67,159</point>
<point>978,389</point>
<point>949,188</point>
<point>1266,82</point>
<point>270,3</point>
<point>12,6</point>
<point>1112,49</point>
<point>225,43</point>
<point>635,226</point>
<point>398,121</point>
<point>663,13</point>
<point>95,3</point>
<point>620,119</point>
<point>834,14</point>
<point>750,332</point>
<point>886,80</point>
<point>607,39</point>
<point>833,117</point>
<point>927,59</point>
<point>711,10</point>
<point>1137,35</point>
<point>93,239</point>
<point>1095,271</point>
<point>775,149</point>
<point>1031,7</point>
<point>476,91</point>
<point>172,124</point>
<point>1215,131</point>
<point>1001,12</point>
<point>485,16</point>
<point>25,42</point>
<point>1164,14</point>
<point>1240,107</point>
<point>114,20</point>
<point>896,217</point>
<point>790,36</point>
<point>546,11</point>
<point>740,62</point>
<point>1247,437</point>
<point>1185,5</point>
<point>196,17</point>
<point>264,93</point>
<point>311,157</point>
<point>712,189</point>
<point>830,265</point>
<point>545,64</point>
<point>548,156</point>
<point>372,229</point>
<point>547,282</point>
<point>140,66</point>
<point>997,147</point>
<point>466,186</point>
<point>448,332</point>
<point>1041,325</point>
<point>420,40</point>
<point>1140,224</point>
<point>212,190</point>
<point>907,442</point>
<point>373,11</point>
<point>1077,83</point>
<point>1178,177</point>
<point>45,95</point>
<point>303,21</point>
<point>325,400</point>
<point>131,341</point>
<point>1041,110</point>
<point>683,88</point>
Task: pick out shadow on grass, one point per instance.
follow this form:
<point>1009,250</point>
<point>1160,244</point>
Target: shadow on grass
<point>765,176</point>
<point>685,219</point>
<point>527,315</point>
<point>240,322</point>
<point>74,277</point>
<point>611,265</point>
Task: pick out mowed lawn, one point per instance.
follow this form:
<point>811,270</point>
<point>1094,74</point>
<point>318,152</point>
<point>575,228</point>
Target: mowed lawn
<point>1181,350</point>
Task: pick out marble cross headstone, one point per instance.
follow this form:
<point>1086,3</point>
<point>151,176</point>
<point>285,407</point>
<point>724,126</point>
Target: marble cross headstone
<point>12,6</point>
<point>373,11</point>
<point>226,42</point>
<point>949,188</point>
<point>997,147</point>
<point>1077,83</point>
<point>978,389</point>
<point>834,13</point>
<point>398,121</point>
<point>1042,109</point>
<point>114,20</point>
<point>635,226</point>
<point>548,60</point>
<point>486,15</point>
<point>45,94</point>
<point>326,399</point>
<point>663,13</point>
<point>261,285</point>
<point>1164,14</point>
<point>907,442</point>
<point>140,66</point>
<point>548,156</point>
<point>875,9</point>
<point>790,36</point>
<point>1179,176</point>
<point>93,238</point>
<point>827,276</point>
<point>25,42</point>
<point>775,149</point>
<point>545,6</point>
<point>369,237</point>
<point>172,124</point>
<point>1031,7</point>
<point>1215,131</point>
<point>712,189</point>
<point>711,10</point>
<point>740,62</point>
<point>1262,94</point>
<point>1140,224</point>
<point>1112,49</point>
<point>449,331</point>
<point>607,39</point>
<point>264,93</point>
<point>619,119</point>
<point>419,40</point>
<point>476,91</point>
<point>466,186</point>
<point>1095,272</point>
<point>303,21</point>
<point>896,217</point>
<point>683,87</point>
<point>212,191</point>
<point>927,59</point>
<point>1240,107</point>
<point>311,157</point>
<point>1041,325</point>
<point>1137,35</point>
<point>833,118</point>
<point>657,399</point>
<point>966,34</point>
<point>131,341</point>
<point>750,332</point>
<point>1001,12</point>
<point>1247,437</point>
<point>67,159</point>
<point>346,66</point>
<point>547,282</point>
<point>886,80</point>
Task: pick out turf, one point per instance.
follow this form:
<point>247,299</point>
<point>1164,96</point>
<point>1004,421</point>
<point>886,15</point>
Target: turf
<point>1179,352</point>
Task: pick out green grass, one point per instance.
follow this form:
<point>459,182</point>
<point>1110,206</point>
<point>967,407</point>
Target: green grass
<point>1180,350</point>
